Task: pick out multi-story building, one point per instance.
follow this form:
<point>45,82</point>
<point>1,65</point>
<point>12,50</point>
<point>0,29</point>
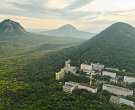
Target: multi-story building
<point>67,63</point>
<point>90,88</point>
<point>86,67</point>
<point>113,75</point>
<point>60,74</point>
<point>117,90</point>
<point>69,86</point>
<point>129,79</point>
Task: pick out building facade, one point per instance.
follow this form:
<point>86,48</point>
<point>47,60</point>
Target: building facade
<point>60,74</point>
<point>117,90</point>
<point>86,67</point>
<point>113,75</point>
<point>69,86</point>
<point>129,79</point>
<point>92,89</point>
<point>115,99</point>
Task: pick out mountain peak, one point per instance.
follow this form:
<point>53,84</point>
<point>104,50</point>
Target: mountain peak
<point>68,27</point>
<point>9,28</point>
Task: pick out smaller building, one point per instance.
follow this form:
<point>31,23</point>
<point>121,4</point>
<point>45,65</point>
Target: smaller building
<point>90,88</point>
<point>113,75</point>
<point>114,80</point>
<point>110,68</point>
<point>115,99</point>
<point>69,86</point>
<point>129,79</point>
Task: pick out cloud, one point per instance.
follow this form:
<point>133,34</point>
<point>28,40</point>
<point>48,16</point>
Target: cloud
<point>78,4</point>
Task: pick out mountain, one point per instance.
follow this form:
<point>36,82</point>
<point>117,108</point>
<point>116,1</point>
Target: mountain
<point>68,31</point>
<point>11,28</point>
<point>114,47</point>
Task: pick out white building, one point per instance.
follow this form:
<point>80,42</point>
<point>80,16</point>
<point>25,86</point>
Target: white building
<point>129,79</point>
<point>117,90</point>
<point>113,75</point>
<point>86,67</point>
<point>90,88</point>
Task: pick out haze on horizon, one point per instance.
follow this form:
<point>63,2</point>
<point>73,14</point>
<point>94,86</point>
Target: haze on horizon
<point>85,15</point>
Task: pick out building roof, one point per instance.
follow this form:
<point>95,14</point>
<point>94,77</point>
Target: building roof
<point>117,87</point>
<point>129,77</point>
<point>68,86</point>
<point>73,82</point>
<point>128,102</point>
<point>93,87</point>
<point>109,72</point>
<point>111,68</point>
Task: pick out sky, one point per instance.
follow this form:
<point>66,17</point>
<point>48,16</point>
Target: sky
<point>85,15</point>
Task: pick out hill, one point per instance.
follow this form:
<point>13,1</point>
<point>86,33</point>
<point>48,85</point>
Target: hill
<point>68,31</point>
<point>113,47</point>
<point>10,28</point>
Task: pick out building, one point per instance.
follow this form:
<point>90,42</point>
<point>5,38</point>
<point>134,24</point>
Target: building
<point>117,90</point>
<point>90,88</point>
<point>127,102</point>
<point>69,86</point>
<point>86,67</point>
<point>129,79</point>
<point>113,75</point>
<point>115,99</point>
<point>110,68</point>
<point>97,65</point>
<point>114,80</point>
<point>60,74</point>
<point>118,100</point>
<point>67,63</point>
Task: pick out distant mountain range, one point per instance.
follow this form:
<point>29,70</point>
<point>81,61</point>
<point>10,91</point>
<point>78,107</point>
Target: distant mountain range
<point>67,31</point>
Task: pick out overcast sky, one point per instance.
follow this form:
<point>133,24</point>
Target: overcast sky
<point>87,15</point>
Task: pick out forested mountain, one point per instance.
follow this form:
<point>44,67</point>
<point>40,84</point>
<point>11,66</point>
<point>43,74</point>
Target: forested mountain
<point>115,47</point>
<point>68,31</point>
<point>10,28</point>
